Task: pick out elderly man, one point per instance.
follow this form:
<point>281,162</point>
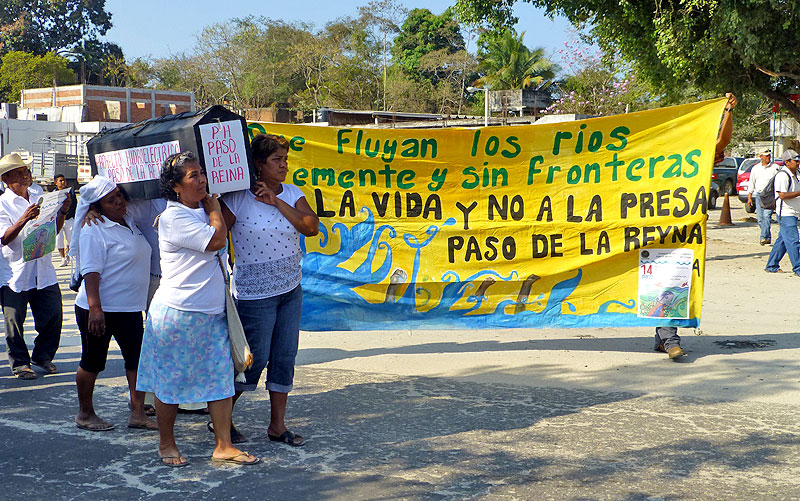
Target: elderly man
<point>787,208</point>
<point>32,282</point>
<point>760,175</point>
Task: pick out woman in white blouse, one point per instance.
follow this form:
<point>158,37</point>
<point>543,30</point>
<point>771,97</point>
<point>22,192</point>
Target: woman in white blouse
<point>266,224</point>
<point>113,257</point>
<point>185,352</point>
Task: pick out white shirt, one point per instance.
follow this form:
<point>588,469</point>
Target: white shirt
<point>144,213</point>
<point>25,275</point>
<point>122,258</point>
<point>266,245</point>
<point>785,184</point>
<point>760,176</point>
<point>191,278</point>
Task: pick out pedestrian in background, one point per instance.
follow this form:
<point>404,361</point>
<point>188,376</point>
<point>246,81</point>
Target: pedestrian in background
<point>760,175</point>
<point>787,208</point>
<point>64,236</point>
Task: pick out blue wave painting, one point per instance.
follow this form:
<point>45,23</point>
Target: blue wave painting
<point>330,302</point>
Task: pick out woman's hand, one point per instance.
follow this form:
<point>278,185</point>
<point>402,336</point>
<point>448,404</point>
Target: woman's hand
<point>92,217</point>
<point>211,203</point>
<point>264,194</point>
<point>97,321</point>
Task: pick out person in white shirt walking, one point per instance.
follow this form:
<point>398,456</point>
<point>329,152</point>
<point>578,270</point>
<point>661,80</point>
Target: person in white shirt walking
<point>32,282</point>
<point>787,208</point>
<point>760,175</point>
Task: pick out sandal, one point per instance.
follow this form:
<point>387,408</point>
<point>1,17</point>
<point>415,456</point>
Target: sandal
<point>289,438</point>
<point>241,458</point>
<point>49,367</point>
<point>25,373</point>
<point>236,436</point>
<point>174,465</point>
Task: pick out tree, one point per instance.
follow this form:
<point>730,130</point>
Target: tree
<point>385,16</point>
<point>22,70</point>
<point>716,45</point>
<point>508,64</point>
<point>41,26</point>
<point>423,33</point>
<point>92,60</point>
<point>454,71</point>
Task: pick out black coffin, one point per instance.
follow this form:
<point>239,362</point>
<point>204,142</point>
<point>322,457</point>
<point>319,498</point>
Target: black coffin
<point>150,141</point>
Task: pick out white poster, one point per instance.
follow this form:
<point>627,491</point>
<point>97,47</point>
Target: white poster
<point>665,278</point>
<point>142,163</point>
<point>225,156</point>
<point>39,235</point>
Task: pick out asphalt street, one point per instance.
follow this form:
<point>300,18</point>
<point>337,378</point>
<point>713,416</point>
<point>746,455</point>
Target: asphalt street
<point>518,414</point>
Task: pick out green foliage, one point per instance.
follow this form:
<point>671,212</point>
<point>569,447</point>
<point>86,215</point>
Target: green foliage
<point>422,33</point>
<point>22,70</point>
<point>508,64</point>
<point>716,45</point>
<point>41,26</point>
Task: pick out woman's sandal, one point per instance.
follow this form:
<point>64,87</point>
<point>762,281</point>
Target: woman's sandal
<point>236,436</point>
<point>289,438</point>
<point>174,465</point>
<point>241,458</point>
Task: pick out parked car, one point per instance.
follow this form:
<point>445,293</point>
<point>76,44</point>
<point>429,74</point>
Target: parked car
<point>713,195</point>
<point>743,180</point>
<point>724,174</point>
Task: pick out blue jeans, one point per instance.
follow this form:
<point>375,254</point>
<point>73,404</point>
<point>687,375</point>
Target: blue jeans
<point>764,218</point>
<point>788,242</point>
<point>272,329</point>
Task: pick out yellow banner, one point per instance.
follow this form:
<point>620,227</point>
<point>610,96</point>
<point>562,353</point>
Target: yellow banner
<point>597,222</point>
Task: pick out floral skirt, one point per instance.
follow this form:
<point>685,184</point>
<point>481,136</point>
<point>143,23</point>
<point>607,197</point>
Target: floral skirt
<point>186,356</point>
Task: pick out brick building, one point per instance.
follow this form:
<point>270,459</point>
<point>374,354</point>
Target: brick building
<point>97,103</point>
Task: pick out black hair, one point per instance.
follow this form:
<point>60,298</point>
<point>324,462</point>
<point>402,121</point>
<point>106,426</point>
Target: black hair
<point>172,172</point>
<point>264,145</point>
<point>58,176</point>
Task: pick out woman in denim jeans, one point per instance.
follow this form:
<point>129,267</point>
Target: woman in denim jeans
<point>266,223</point>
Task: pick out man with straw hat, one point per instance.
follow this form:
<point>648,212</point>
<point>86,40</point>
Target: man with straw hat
<point>32,282</point>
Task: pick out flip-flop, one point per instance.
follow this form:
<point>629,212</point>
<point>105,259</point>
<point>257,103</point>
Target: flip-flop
<point>174,465</point>
<point>236,436</point>
<point>49,367</point>
<point>143,426</point>
<point>106,427</point>
<point>237,459</point>
<point>149,410</point>
<point>289,438</point>
<point>25,373</point>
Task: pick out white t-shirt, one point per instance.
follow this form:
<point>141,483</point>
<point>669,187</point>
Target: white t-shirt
<point>785,184</point>
<point>191,279</point>
<point>25,275</point>
<point>760,176</point>
<point>144,213</point>
<point>266,245</point>
<point>122,258</point>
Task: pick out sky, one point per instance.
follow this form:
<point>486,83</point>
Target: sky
<point>161,28</point>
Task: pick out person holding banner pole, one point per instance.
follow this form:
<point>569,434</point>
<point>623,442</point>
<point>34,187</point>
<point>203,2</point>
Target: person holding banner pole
<point>186,353</point>
<point>266,223</point>
<point>667,339</point>
<point>33,283</point>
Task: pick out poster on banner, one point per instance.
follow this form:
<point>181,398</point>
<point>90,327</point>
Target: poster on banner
<point>511,226</point>
<point>141,163</point>
<point>665,278</point>
<point>39,235</point>
<point>226,162</point>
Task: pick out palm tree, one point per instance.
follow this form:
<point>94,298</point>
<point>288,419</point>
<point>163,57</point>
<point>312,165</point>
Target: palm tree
<point>508,64</point>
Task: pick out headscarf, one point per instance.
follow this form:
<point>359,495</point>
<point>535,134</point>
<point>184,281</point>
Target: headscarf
<point>90,193</point>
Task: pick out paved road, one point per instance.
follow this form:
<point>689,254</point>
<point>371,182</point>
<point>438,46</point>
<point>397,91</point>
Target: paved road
<point>555,414</point>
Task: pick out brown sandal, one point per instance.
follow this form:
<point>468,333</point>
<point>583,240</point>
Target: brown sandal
<point>25,373</point>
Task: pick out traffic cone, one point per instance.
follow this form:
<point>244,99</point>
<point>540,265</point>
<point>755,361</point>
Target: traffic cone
<point>725,215</point>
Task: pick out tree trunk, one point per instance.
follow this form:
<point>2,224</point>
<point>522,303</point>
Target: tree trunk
<point>786,104</point>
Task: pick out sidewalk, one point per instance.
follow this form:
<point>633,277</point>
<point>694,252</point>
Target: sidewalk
<point>503,414</point>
